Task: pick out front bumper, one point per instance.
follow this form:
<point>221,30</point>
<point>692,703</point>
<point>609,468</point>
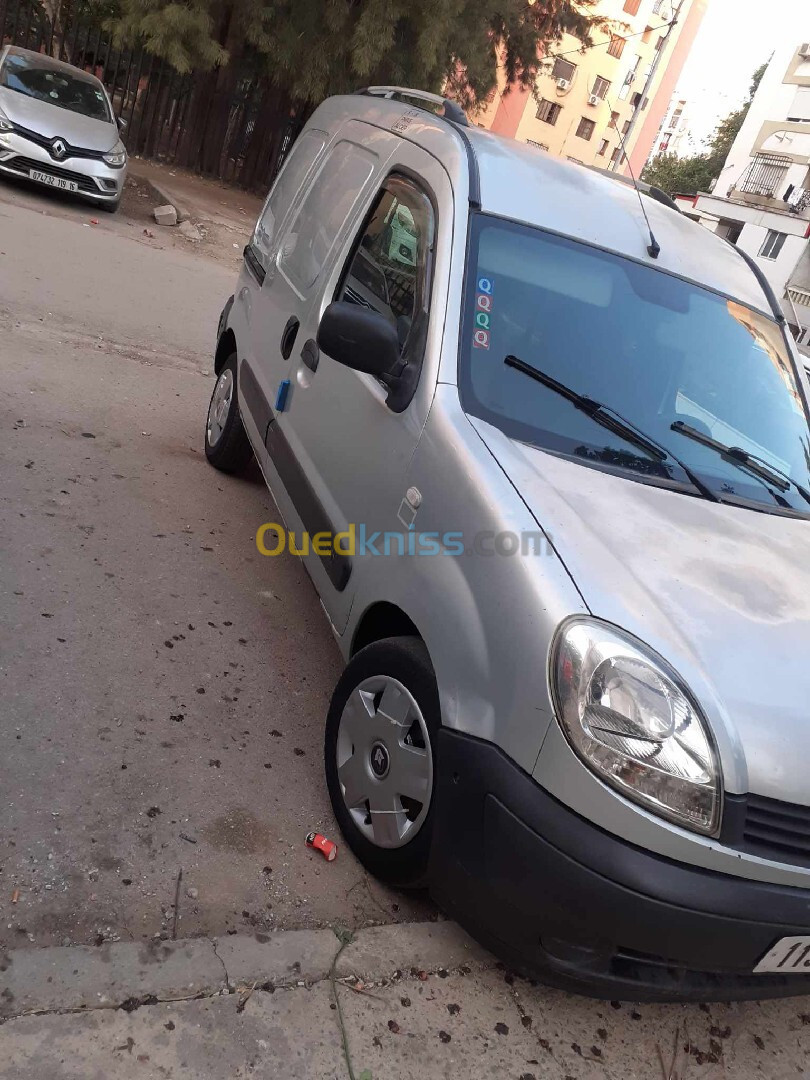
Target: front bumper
<point>94,178</point>
<point>556,897</point>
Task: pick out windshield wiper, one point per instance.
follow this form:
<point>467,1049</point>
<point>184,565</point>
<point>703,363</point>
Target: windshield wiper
<point>753,464</point>
<point>612,420</point>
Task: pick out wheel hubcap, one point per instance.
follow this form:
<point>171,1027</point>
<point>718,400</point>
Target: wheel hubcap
<point>220,407</point>
<point>384,762</point>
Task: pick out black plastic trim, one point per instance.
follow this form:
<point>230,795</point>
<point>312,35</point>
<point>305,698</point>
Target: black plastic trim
<point>253,264</point>
<point>764,284</point>
<point>558,897</point>
<point>474,174</point>
<point>309,507</point>
<point>71,151</point>
<point>252,396</point>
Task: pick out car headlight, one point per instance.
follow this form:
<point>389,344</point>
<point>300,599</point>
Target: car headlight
<point>5,123</point>
<point>631,720</point>
<point>117,156</point>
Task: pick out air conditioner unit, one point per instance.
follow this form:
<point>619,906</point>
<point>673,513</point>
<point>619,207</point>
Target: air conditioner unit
<point>594,99</point>
<point>563,84</point>
<point>804,51</point>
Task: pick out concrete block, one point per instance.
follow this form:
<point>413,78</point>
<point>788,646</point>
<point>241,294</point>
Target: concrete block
<point>165,215</point>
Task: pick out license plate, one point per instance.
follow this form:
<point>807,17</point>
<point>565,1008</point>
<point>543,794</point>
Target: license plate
<point>54,181</point>
<point>789,954</point>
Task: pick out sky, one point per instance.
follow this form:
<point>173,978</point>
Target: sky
<point>736,36</point>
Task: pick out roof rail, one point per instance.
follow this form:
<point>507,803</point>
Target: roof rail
<point>452,110</point>
<point>640,185</point>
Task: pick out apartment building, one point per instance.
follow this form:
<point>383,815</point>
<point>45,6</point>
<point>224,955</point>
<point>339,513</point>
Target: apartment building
<point>621,85</point>
<point>761,201</point>
<point>673,135</point>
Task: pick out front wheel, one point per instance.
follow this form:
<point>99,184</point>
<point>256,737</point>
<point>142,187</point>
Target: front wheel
<point>380,756</point>
<point>226,443</point>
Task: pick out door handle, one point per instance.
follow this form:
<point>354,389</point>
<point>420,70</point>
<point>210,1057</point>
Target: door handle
<point>289,336</point>
<point>311,354</point>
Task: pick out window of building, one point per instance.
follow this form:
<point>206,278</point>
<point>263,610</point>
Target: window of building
<point>600,87</point>
<point>632,6</point>
<point>616,46</point>
<point>626,127</point>
<point>614,120</point>
<point>548,111</point>
<point>563,69</point>
<point>664,145</point>
<point>660,43</point>
<point>586,128</point>
<point>635,100</point>
<point>765,175</point>
<point>774,242</point>
<point>614,157</point>
<point>676,118</point>
<point>647,35</point>
<point>804,335</point>
<point>603,145</point>
<point>657,7</point>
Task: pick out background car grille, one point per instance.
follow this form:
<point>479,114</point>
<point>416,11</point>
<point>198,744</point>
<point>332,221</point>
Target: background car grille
<point>45,143</point>
<point>777,830</point>
<point>25,165</point>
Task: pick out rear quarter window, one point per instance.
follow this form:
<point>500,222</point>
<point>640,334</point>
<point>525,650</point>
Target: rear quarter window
<point>327,205</point>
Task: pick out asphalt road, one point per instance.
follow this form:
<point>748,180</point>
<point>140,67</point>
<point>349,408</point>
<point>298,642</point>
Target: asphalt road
<point>162,686</point>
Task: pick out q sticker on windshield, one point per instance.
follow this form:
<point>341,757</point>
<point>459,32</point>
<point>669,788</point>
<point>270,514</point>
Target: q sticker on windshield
<point>483,312</point>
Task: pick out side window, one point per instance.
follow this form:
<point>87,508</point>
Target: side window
<point>390,266</point>
<point>323,213</point>
<point>288,183</point>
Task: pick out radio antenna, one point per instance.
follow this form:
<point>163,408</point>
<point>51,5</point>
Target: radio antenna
<point>653,248</point>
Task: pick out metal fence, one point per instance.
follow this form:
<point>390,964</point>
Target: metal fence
<point>231,124</point>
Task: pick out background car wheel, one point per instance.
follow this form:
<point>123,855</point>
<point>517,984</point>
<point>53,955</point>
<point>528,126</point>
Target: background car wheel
<point>380,756</point>
<point>226,444</point>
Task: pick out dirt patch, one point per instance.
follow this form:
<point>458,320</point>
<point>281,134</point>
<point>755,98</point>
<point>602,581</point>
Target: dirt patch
<point>239,831</point>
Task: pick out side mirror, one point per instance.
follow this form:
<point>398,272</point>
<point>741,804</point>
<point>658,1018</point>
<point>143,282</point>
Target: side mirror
<point>122,124</point>
<point>360,339</point>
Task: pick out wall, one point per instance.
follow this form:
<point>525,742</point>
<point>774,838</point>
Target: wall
<point>777,271</point>
<point>666,79</point>
<point>514,114</point>
<point>772,101</point>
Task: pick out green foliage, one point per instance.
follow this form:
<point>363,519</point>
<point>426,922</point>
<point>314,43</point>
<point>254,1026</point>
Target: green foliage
<point>312,48</point>
<point>689,175</point>
<point>681,175</point>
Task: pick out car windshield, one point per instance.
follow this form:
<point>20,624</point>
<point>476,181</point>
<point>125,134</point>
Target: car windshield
<point>653,347</point>
<point>77,92</point>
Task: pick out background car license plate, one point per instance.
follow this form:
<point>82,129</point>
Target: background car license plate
<point>789,954</point>
<point>54,181</point>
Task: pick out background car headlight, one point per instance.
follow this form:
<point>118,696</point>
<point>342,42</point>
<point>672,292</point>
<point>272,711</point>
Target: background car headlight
<point>5,123</point>
<point>633,723</point>
<point>117,156</point>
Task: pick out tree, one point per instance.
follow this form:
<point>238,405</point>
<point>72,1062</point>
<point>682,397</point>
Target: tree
<point>689,175</point>
<point>312,48</point>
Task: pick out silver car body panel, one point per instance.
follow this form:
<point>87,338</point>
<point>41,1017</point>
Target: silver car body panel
<point>713,589</point>
<point>36,119</point>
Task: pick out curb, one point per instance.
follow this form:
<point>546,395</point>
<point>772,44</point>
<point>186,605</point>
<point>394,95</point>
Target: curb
<point>160,194</point>
<point>129,974</point>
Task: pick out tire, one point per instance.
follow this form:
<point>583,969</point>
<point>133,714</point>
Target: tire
<point>389,830</point>
<point>226,443</point>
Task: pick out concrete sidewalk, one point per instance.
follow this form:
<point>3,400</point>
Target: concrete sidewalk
<point>411,1001</point>
<point>198,198</point>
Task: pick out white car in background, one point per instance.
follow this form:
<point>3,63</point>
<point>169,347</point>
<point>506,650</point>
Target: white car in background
<point>58,129</point>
